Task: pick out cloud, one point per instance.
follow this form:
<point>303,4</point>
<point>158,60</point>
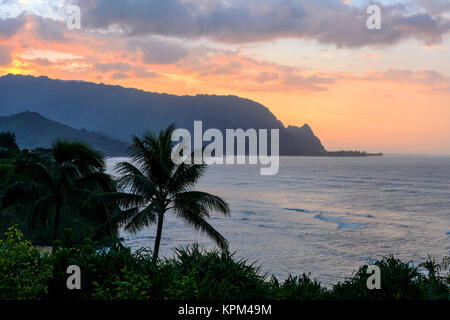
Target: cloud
<point>119,75</point>
<point>48,29</point>
<point>42,62</point>
<point>142,73</point>
<point>121,70</point>
<point>50,55</point>
<point>236,71</point>
<point>5,55</point>
<point>235,21</point>
<point>117,66</point>
<point>369,56</point>
<point>430,79</point>
<point>217,72</point>
<point>264,77</point>
<point>158,51</point>
<point>436,7</point>
<point>256,75</point>
<point>311,83</point>
<point>11,26</point>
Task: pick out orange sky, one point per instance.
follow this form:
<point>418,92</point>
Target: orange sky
<point>392,99</point>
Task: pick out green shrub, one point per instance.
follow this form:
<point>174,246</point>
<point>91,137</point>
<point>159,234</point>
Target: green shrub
<point>129,285</point>
<point>117,273</point>
<point>193,274</point>
<point>23,274</point>
<point>215,275</point>
<point>133,276</point>
<point>436,285</point>
<point>106,273</point>
<point>300,288</point>
<point>399,281</point>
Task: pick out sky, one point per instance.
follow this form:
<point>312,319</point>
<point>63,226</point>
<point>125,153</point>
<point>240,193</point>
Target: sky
<point>314,62</point>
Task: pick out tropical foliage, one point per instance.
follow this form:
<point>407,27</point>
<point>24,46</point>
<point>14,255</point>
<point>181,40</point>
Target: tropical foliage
<point>117,273</point>
<point>61,181</point>
<point>24,275</point>
<point>8,144</point>
<point>66,186</point>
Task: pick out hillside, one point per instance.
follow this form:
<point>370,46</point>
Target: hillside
<point>121,113</point>
<point>33,130</point>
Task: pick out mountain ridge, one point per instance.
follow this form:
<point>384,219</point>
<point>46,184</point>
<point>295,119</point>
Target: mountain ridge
<point>123,112</point>
<point>32,131</point>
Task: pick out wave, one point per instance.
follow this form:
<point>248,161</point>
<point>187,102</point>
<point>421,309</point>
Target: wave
<point>341,223</point>
<point>296,210</point>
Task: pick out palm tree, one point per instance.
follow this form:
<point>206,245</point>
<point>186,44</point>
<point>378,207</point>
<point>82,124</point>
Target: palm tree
<point>73,172</point>
<point>156,185</point>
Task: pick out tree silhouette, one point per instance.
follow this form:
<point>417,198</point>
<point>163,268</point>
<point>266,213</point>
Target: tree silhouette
<point>68,179</point>
<point>156,185</point>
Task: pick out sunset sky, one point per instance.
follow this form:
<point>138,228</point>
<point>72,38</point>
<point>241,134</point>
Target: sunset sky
<point>312,62</point>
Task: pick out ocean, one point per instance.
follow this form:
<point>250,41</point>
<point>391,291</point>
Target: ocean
<point>322,215</point>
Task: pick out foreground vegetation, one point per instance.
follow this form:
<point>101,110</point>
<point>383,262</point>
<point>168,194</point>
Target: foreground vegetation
<point>117,273</point>
<point>64,193</point>
<point>44,191</point>
<point>67,186</point>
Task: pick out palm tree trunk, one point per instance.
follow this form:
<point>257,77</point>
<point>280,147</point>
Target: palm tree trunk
<point>158,236</point>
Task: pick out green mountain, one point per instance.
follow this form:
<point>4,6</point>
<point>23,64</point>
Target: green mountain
<point>34,131</point>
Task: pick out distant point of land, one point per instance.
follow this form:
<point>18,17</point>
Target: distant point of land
<point>351,154</point>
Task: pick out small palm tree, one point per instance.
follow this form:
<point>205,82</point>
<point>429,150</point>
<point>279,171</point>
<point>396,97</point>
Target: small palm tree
<point>157,185</point>
<point>73,172</point>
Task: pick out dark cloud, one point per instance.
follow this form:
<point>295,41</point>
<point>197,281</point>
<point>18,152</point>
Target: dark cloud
<point>5,55</point>
<point>159,51</point>
<point>11,26</point>
<point>119,75</point>
<point>141,73</point>
<point>237,21</point>
<point>48,29</point>
<point>117,66</point>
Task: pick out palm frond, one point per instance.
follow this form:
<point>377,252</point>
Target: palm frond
<point>193,199</point>
<point>122,199</point>
<point>21,191</point>
<point>195,220</point>
<point>35,171</point>
<point>110,227</point>
<point>83,156</point>
<point>140,153</point>
<point>96,180</point>
<point>152,154</point>
<point>144,218</point>
<point>185,177</point>
<point>134,181</point>
<point>67,173</point>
